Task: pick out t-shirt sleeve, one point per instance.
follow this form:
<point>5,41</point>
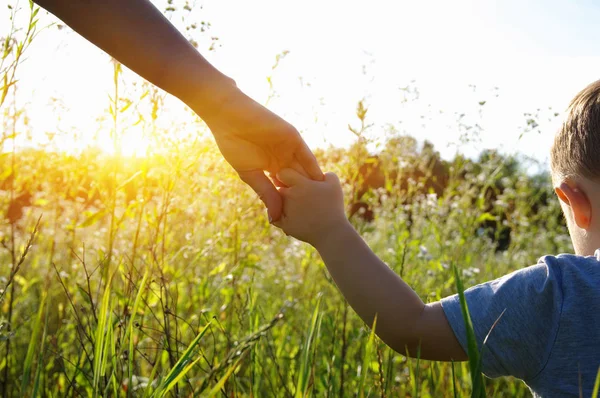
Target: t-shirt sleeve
<point>521,341</point>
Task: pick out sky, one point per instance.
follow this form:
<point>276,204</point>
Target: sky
<point>514,57</point>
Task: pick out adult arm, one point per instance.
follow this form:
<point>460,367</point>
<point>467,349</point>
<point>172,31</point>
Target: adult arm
<point>250,137</point>
<point>139,36</point>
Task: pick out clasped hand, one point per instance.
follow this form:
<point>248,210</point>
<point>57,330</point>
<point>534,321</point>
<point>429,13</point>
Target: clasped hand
<point>253,140</point>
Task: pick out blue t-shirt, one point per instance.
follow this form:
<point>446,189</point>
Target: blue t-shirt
<point>549,334</point>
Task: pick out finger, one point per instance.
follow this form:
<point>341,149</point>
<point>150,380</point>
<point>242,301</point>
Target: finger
<point>281,225</point>
<point>275,180</point>
<point>283,191</point>
<point>285,151</point>
<point>294,164</point>
<point>332,178</point>
<point>278,224</point>
<point>298,167</point>
<point>309,162</point>
<point>261,184</point>
<point>291,177</point>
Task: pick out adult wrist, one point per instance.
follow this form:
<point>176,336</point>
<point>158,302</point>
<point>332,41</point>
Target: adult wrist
<point>209,98</point>
<point>200,85</point>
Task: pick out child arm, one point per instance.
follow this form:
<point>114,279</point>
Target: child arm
<point>314,213</point>
<point>404,322</point>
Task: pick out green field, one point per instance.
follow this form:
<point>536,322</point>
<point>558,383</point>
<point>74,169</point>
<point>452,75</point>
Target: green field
<point>160,275</point>
<point>132,259</point>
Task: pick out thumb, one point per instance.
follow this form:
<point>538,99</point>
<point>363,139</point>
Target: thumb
<point>309,162</point>
<point>332,178</point>
<point>291,177</point>
<point>261,184</point>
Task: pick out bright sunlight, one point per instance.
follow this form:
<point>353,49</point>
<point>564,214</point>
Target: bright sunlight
<point>146,254</point>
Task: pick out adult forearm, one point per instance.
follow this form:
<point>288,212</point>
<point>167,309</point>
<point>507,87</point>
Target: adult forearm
<point>371,287</point>
<point>139,36</point>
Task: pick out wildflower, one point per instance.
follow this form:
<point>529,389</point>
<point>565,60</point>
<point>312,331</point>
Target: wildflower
<point>501,203</point>
<point>431,200</point>
<point>470,272</point>
<point>424,253</point>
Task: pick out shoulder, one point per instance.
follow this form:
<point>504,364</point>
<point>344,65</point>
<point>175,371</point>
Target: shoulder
<point>574,356</point>
<point>516,316</point>
<point>571,270</point>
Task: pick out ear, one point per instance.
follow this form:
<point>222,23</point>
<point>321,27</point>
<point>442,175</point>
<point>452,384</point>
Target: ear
<point>571,195</point>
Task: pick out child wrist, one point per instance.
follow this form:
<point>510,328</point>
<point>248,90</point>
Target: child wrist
<point>332,233</point>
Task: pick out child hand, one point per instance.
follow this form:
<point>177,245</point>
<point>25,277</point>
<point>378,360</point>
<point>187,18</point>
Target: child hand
<point>311,209</point>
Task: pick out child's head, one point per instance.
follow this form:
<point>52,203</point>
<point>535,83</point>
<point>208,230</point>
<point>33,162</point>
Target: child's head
<point>575,162</point>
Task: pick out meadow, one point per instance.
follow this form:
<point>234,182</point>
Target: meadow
<point>159,275</point>
<point>117,266</point>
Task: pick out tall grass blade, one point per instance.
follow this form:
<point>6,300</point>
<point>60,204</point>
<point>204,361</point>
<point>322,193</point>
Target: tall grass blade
<point>136,305</point>
<point>473,350</point>
<point>367,360</point>
<point>305,365</point>
<point>418,372</point>
<point>100,338</point>
<point>151,382</point>
<point>110,353</point>
<point>38,369</point>
<point>454,392</point>
<point>221,383</point>
<point>596,385</point>
<point>181,367</point>
<point>33,341</point>
<point>179,376</point>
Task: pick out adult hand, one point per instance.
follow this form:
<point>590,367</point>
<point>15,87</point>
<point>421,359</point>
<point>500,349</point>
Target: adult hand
<point>253,140</point>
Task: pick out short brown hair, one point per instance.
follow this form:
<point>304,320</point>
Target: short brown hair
<point>576,148</point>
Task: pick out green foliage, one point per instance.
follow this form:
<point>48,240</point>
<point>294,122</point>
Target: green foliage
<point>192,251</point>
<point>306,363</point>
<point>14,45</point>
<point>106,293</point>
<point>183,365</point>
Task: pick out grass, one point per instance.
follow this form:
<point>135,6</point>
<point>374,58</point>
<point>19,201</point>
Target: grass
<point>473,351</point>
<point>160,275</point>
<point>193,253</point>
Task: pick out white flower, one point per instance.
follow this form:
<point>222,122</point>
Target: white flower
<point>424,253</point>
